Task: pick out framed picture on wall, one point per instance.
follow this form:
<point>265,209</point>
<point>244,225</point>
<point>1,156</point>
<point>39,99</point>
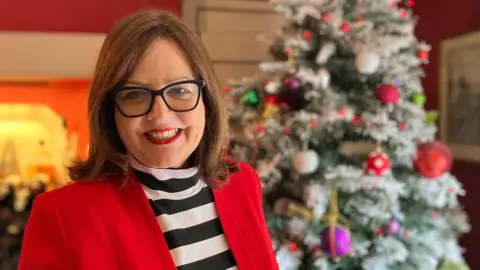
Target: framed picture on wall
<point>459,86</point>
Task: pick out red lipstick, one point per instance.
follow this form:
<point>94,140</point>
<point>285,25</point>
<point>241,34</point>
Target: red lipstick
<point>162,141</point>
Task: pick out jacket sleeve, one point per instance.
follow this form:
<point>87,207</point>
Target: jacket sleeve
<point>45,245</point>
<point>263,233</point>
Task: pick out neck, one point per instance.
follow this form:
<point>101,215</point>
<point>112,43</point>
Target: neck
<point>163,173</point>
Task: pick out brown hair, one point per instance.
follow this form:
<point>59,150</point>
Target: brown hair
<point>119,56</point>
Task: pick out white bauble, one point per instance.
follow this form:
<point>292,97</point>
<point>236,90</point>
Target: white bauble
<point>272,87</point>
<point>367,62</point>
<point>306,162</point>
<point>322,79</point>
<point>286,259</point>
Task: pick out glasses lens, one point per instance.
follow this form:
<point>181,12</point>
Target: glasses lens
<point>133,102</point>
<point>182,97</point>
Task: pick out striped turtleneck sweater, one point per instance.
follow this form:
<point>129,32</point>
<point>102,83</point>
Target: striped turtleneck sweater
<point>186,212</point>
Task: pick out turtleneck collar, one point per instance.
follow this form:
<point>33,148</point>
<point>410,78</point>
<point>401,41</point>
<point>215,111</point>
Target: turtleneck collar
<point>168,180</point>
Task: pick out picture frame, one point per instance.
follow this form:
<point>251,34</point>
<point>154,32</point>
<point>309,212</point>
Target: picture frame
<point>459,89</point>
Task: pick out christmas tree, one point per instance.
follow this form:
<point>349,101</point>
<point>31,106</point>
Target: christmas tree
<point>16,202</point>
<point>352,175</point>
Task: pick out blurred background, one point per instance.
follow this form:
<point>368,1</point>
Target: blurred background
<point>48,51</point>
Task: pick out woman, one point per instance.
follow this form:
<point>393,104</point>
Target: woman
<point>155,191</point>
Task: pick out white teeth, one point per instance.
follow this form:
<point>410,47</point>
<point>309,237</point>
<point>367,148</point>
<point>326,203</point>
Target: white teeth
<point>164,134</point>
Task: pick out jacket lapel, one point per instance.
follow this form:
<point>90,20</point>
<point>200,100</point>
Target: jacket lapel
<point>135,201</point>
<point>233,231</point>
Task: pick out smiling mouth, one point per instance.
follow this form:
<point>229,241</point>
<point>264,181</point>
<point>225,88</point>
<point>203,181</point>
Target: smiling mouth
<point>166,136</point>
<point>163,135</point>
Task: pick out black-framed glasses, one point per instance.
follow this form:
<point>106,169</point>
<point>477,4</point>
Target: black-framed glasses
<point>135,101</point>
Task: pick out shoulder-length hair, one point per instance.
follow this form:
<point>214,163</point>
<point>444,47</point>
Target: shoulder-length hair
<point>119,56</point>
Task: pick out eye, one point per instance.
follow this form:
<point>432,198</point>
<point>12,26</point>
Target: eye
<point>133,95</point>
<point>179,92</point>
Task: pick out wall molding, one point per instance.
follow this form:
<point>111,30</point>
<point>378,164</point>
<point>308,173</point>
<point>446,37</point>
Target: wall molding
<point>49,54</point>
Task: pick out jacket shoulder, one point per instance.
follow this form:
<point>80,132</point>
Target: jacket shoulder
<point>78,192</point>
<point>245,173</point>
<point>245,180</point>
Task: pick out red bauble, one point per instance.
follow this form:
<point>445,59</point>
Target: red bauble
<point>423,55</point>
<point>345,27</point>
<point>377,163</point>
<point>388,93</point>
<point>433,159</point>
<point>293,246</point>
<point>307,35</point>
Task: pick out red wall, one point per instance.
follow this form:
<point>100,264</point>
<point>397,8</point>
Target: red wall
<point>440,19</point>
<point>73,16</point>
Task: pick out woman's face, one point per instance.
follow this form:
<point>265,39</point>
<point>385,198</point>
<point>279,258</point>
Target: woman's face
<point>161,138</point>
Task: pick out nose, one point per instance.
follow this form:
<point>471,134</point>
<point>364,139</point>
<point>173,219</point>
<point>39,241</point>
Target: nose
<point>159,109</point>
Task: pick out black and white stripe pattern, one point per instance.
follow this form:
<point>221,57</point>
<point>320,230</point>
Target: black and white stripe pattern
<point>185,210</point>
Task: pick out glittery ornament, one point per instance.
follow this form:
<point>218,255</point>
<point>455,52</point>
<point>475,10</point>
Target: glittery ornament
<point>306,162</point>
<point>271,109</point>
<point>398,80</point>
<point>423,55</point>
<point>387,94</point>
<point>431,117</point>
<point>418,98</point>
<point>392,227</point>
<point>345,27</point>
<point>307,35</point>
<point>453,265</point>
<point>433,159</point>
<point>367,62</point>
<point>336,241</point>
<point>292,82</point>
<point>250,98</point>
<point>293,94</point>
<point>377,163</point>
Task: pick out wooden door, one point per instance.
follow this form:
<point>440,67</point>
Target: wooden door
<point>230,30</point>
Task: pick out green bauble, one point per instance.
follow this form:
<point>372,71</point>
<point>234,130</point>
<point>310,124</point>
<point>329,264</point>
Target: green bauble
<point>431,117</point>
<point>250,98</point>
<point>419,99</point>
<point>449,265</point>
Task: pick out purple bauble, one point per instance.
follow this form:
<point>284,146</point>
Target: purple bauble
<point>336,241</point>
<point>293,93</point>
<point>392,227</point>
<point>292,82</point>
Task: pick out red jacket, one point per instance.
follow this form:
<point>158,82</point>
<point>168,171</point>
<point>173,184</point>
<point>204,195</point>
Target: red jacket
<point>99,226</point>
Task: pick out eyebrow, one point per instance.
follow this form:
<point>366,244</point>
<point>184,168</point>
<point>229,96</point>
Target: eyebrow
<point>176,79</point>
